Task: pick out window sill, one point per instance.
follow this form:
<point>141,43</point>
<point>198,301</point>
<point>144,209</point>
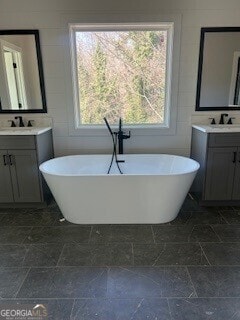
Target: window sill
<point>141,130</point>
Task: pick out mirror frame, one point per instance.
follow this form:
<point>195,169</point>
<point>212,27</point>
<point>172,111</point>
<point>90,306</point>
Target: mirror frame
<point>35,33</point>
<point>200,66</point>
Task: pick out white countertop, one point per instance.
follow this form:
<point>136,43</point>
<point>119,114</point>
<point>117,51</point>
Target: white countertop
<point>217,128</point>
<point>23,131</point>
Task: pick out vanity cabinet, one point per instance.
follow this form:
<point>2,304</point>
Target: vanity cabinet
<point>218,180</point>
<point>20,157</point>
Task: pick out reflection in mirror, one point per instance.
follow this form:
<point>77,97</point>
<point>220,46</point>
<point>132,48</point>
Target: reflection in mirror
<point>21,74</point>
<point>218,86</point>
<point>235,80</point>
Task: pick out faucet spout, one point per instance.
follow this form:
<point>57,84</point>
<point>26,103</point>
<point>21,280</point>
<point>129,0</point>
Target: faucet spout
<point>21,123</point>
<point>223,115</point>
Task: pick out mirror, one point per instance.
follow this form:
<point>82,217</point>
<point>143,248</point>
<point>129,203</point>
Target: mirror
<point>21,72</point>
<point>218,85</point>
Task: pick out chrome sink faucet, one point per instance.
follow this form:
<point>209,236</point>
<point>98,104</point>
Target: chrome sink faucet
<point>223,115</point>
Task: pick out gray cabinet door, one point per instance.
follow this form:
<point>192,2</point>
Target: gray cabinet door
<point>25,175</point>
<point>221,164</point>
<point>6,192</point>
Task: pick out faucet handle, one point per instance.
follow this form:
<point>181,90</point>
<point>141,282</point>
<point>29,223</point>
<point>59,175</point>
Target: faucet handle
<point>213,120</point>
<point>12,123</point>
<point>230,120</point>
<point>30,123</point>
<point>127,136</point>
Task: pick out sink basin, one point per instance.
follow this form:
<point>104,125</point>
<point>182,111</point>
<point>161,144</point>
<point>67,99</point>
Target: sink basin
<point>224,126</point>
<point>15,129</point>
<point>23,130</point>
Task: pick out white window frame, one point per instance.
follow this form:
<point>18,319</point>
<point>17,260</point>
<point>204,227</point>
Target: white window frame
<point>168,26</point>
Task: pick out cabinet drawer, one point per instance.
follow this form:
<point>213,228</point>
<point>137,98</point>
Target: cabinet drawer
<point>17,142</point>
<point>224,140</point>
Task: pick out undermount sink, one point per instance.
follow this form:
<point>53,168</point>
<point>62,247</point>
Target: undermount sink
<point>217,128</point>
<point>23,130</point>
<point>224,126</point>
<point>15,129</point>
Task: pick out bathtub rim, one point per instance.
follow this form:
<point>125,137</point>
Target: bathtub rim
<point>44,171</point>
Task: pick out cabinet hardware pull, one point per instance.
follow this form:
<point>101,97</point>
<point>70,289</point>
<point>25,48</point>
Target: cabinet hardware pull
<point>11,160</point>
<point>234,156</point>
<point>5,159</point>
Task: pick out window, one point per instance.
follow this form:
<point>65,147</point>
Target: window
<point>122,71</point>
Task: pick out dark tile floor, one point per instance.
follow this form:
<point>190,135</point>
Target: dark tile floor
<point>188,269</point>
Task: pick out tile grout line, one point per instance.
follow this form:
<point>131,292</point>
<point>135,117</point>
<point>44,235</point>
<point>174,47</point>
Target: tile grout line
<point>120,298</point>
<point>26,299</point>
<point>127,266</point>
<point>128,242</point>
<point>164,225</point>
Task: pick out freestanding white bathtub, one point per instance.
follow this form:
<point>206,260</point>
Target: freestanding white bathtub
<point>151,189</point>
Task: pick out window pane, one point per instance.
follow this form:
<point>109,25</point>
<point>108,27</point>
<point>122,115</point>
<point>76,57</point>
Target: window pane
<point>122,74</point>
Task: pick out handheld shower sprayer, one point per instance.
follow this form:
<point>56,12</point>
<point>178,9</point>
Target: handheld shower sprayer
<point>114,154</point>
<point>108,126</point>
